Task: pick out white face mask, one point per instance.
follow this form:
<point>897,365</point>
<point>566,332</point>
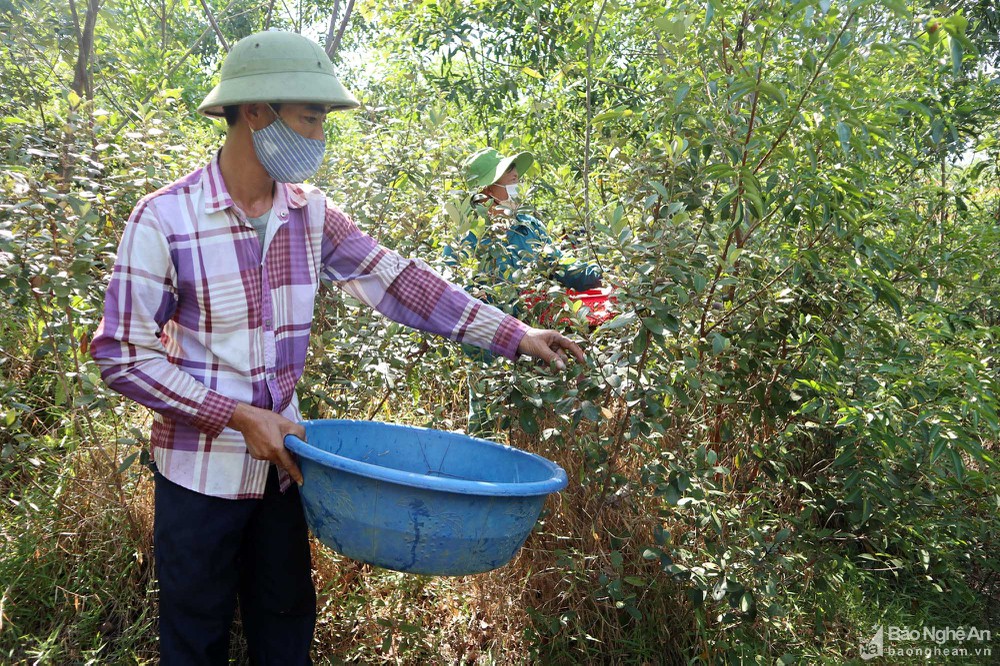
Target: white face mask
<point>511,192</point>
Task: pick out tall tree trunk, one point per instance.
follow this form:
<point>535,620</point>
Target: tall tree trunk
<point>83,86</point>
<point>83,81</point>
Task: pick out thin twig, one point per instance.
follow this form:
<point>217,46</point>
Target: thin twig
<point>757,294</point>
<point>291,16</point>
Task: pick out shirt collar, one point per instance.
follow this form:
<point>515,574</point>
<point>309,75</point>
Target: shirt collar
<point>217,196</point>
<point>296,197</point>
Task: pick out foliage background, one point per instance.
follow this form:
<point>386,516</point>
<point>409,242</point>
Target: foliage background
<point>787,438</point>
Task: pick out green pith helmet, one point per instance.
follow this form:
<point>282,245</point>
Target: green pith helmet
<point>486,167</point>
<point>277,66</point>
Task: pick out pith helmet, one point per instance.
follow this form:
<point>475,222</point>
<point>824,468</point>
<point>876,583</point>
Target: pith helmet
<point>276,66</point>
<point>486,167</point>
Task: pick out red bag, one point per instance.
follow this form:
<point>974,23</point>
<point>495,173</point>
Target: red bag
<point>600,303</point>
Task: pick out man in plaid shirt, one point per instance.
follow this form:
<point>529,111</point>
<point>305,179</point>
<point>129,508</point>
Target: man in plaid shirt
<point>207,322</point>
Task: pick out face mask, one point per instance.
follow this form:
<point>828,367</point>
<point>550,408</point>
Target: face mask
<point>511,192</point>
<point>286,155</point>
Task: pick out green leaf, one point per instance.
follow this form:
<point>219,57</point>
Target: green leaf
<point>866,510</point>
<point>958,465</point>
<point>772,91</point>
<point>668,25</point>
<point>753,194</point>
<point>898,7</point>
<point>671,494</point>
<point>719,170</point>
<point>956,24</point>
<point>453,213</point>
<point>590,411</point>
<point>844,135</point>
<point>127,462</point>
<point>654,325</point>
<point>916,107</point>
<point>838,350</point>
<point>956,56</point>
<point>720,208</point>
<point>611,115</point>
<point>620,321</point>
<point>662,191</point>
<point>719,344</point>
<point>532,73</point>
<point>938,449</point>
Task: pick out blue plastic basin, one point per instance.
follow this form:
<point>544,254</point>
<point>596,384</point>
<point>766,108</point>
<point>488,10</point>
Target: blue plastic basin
<point>419,500</point>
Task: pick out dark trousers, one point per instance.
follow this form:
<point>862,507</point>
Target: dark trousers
<point>211,551</point>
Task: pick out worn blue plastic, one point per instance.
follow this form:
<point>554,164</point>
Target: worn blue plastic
<point>419,500</point>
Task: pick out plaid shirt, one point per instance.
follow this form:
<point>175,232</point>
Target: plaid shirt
<point>195,320</point>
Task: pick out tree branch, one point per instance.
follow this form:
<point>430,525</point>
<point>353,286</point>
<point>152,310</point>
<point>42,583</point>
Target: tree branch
<point>170,73</point>
<point>760,292</point>
<point>172,70</point>
<point>267,20</point>
<point>76,19</point>
<point>138,18</point>
<point>215,26</point>
<point>330,34</point>
<point>588,130</point>
<point>332,48</point>
<point>805,92</point>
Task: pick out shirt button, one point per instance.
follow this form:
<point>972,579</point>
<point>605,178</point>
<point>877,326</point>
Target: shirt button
<point>270,375</point>
<point>267,323</point>
<point>283,213</point>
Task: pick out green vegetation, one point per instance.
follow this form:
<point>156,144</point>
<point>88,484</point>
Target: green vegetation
<point>788,437</point>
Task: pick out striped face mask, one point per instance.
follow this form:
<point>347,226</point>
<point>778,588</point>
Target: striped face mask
<point>286,155</point>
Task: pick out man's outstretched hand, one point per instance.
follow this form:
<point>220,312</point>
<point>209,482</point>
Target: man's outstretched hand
<point>547,346</point>
<point>264,432</point>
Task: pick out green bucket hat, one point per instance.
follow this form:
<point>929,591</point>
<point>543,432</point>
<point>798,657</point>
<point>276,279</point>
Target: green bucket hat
<point>275,66</point>
<point>485,167</point>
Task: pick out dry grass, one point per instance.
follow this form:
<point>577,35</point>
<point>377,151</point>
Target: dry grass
<point>545,605</point>
<point>79,571</point>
